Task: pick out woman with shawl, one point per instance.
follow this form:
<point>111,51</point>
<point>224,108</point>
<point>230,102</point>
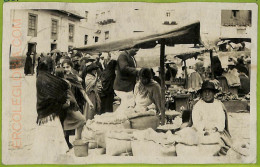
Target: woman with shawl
<point>73,118</point>
<point>49,141</point>
<point>107,93</point>
<point>28,67</point>
<point>209,116</point>
<point>77,90</point>
<point>92,87</point>
<point>147,91</point>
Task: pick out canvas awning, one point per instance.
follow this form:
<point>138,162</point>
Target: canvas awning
<point>185,34</point>
<point>188,55</point>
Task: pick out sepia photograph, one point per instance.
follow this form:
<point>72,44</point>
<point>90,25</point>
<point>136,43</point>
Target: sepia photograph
<point>129,82</point>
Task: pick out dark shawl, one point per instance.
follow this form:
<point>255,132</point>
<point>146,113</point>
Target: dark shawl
<point>107,78</point>
<point>76,88</point>
<point>51,94</point>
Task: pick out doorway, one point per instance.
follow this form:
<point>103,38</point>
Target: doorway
<point>53,46</point>
<point>32,47</point>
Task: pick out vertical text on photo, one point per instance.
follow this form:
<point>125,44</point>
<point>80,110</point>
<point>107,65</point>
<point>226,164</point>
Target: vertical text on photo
<point>16,85</point>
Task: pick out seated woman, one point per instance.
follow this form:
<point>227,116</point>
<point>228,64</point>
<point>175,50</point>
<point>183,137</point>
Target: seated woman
<point>147,91</point>
<point>209,114</point>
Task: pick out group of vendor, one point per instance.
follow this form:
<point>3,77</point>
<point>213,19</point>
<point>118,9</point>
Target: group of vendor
<point>80,87</point>
<point>235,74</point>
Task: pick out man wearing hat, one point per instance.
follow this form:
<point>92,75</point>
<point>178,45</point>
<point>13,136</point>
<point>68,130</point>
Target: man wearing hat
<point>171,71</point>
<point>85,63</point>
<point>75,60</point>
<point>126,78</point>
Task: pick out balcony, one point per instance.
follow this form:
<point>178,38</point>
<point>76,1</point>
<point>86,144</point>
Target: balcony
<point>170,23</point>
<point>107,21</point>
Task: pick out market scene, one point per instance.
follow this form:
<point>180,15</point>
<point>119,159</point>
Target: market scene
<point>162,93</point>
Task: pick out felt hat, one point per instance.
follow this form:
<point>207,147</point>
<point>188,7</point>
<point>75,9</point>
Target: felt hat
<point>91,67</point>
<point>209,85</point>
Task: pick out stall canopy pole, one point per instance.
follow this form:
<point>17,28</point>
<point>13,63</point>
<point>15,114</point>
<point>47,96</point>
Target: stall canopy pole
<point>186,74</point>
<point>162,55</point>
<point>211,64</point>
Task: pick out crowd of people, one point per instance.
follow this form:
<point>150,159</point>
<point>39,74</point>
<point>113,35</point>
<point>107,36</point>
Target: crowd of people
<point>72,89</point>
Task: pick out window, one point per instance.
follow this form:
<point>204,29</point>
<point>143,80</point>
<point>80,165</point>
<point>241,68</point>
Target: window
<point>106,35</point>
<point>235,13</point>
<point>54,29</point>
<point>71,32</point>
<point>96,39</point>
<point>86,15</point>
<point>86,40</point>
<point>97,17</point>
<point>70,48</point>
<point>32,25</point>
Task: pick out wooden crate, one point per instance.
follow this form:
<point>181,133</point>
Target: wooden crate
<point>236,105</point>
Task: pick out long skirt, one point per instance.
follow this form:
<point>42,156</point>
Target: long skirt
<point>90,113</point>
<point>73,120</point>
<point>49,142</point>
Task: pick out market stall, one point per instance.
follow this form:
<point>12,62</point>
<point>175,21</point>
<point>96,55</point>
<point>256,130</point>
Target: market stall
<point>135,133</point>
<point>182,34</point>
<point>181,95</point>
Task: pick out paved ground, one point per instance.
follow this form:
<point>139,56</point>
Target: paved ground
<point>238,122</point>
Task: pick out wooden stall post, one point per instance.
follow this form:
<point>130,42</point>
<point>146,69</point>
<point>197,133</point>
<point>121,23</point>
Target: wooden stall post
<point>186,75</point>
<point>211,64</point>
<point>162,75</point>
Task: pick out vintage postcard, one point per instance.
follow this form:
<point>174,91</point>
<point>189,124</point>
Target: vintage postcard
<point>129,82</point>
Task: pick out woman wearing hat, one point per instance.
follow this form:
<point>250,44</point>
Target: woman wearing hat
<point>209,114</point>
<point>92,86</point>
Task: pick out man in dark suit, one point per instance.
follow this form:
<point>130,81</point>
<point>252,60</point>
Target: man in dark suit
<point>107,60</point>
<point>126,78</point>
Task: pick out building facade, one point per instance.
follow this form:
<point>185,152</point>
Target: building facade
<point>236,23</point>
<point>46,30</point>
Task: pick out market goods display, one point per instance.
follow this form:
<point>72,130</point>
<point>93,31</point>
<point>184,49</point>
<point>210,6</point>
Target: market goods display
<point>119,142</point>
<point>150,148</point>
<point>110,118</point>
<point>183,150</point>
<point>95,130</point>
<point>144,122</point>
<point>134,114</point>
<point>151,135</point>
<point>226,96</point>
<point>150,143</point>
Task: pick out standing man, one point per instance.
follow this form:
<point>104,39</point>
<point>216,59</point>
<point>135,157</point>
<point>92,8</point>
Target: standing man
<point>33,60</point>
<point>101,61</point>
<point>126,78</point>
<point>107,60</point>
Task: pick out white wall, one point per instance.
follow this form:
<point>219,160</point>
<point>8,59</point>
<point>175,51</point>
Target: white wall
<point>43,38</point>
